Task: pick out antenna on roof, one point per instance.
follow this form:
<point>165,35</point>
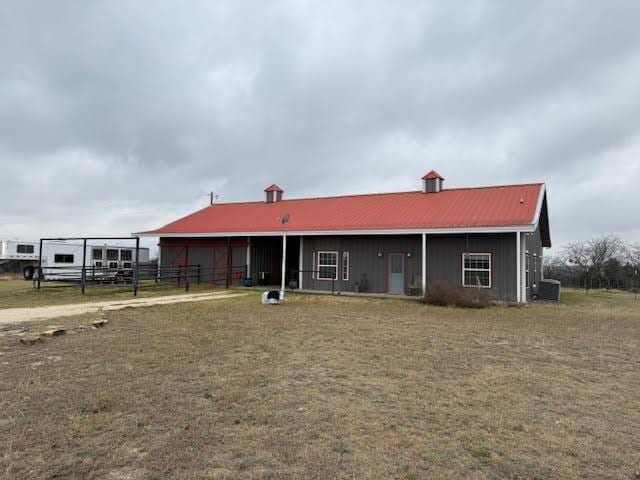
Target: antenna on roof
<point>212,196</point>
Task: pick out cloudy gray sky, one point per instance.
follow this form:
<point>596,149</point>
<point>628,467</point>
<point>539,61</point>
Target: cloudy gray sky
<point>120,116</point>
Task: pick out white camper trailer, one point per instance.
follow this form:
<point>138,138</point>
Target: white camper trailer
<point>62,260</point>
<point>16,256</point>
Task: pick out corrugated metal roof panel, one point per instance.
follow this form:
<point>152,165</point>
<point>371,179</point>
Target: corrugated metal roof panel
<point>451,208</point>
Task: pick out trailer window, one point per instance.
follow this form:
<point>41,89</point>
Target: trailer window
<point>63,258</point>
<point>112,254</point>
<point>97,254</point>
<point>125,255</point>
<point>25,248</point>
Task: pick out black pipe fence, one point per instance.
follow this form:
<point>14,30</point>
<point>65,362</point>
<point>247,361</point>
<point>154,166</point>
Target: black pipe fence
<point>310,276</point>
<point>146,275</point>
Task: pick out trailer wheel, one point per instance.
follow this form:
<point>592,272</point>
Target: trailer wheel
<point>28,272</point>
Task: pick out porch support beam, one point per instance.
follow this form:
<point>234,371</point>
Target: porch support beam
<point>284,264</point>
<point>300,263</point>
<point>248,257</point>
<point>518,275</point>
<point>424,263</point>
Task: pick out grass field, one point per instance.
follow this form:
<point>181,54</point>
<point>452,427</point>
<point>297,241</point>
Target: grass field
<point>327,387</point>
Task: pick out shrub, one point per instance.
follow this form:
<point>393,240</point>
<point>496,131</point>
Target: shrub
<point>443,294</point>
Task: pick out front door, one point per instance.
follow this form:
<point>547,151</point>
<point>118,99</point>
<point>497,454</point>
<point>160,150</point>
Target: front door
<point>396,273</point>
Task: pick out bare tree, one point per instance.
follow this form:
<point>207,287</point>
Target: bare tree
<point>632,256</point>
<point>590,257</point>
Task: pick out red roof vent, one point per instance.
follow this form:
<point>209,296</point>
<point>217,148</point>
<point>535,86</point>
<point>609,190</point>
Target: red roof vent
<point>274,193</point>
<point>432,182</point>
<point>274,188</point>
<point>432,175</point>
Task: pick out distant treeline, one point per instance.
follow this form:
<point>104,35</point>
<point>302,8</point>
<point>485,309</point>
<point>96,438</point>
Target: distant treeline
<point>604,262</point>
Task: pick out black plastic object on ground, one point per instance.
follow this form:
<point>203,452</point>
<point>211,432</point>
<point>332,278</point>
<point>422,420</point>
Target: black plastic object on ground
<point>549,290</point>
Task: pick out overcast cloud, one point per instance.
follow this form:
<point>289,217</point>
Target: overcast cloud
<point>120,116</point>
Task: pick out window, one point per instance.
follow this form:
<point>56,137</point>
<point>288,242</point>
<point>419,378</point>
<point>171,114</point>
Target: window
<point>25,248</point>
<point>63,258</point>
<point>125,255</point>
<point>98,264</point>
<point>345,266</point>
<point>526,268</point>
<point>327,265</point>
<point>97,253</point>
<point>126,265</point>
<point>535,269</point>
<point>112,254</point>
<point>476,270</point>
<point>113,264</point>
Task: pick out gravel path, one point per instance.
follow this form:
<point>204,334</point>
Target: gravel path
<point>23,315</point>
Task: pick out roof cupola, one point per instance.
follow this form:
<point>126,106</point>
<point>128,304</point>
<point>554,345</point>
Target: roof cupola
<point>432,182</point>
<point>273,193</point>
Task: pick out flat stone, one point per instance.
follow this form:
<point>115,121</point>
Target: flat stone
<point>54,332</point>
<point>100,323</point>
<point>30,340</point>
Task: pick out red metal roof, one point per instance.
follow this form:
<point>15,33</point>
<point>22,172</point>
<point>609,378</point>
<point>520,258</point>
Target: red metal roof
<point>273,188</point>
<point>432,174</point>
<point>499,206</point>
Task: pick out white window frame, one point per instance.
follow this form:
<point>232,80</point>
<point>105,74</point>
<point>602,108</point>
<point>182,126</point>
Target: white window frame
<point>490,270</point>
<point>527,267</point>
<point>346,263</point>
<point>320,265</point>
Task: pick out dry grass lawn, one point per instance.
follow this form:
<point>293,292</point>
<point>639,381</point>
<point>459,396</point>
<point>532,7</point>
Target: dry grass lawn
<point>328,387</point>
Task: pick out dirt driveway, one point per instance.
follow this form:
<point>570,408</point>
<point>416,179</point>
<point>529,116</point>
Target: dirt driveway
<point>23,315</point>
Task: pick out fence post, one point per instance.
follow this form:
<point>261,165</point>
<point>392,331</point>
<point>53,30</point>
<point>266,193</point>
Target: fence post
<point>179,274</point>
<point>187,275</point>
<point>137,268</point>
<point>198,279</point>
<point>40,264</point>
<point>84,263</point>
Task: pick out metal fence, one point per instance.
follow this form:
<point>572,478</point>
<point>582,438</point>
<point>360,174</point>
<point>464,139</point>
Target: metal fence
<point>140,276</point>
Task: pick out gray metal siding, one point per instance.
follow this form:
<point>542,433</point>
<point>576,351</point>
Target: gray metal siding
<point>364,262</point>
<point>444,260</point>
<point>533,243</point>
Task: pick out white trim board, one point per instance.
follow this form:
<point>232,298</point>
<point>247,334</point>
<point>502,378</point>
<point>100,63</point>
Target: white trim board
<point>411,231</point>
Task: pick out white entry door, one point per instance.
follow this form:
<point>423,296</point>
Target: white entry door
<point>396,273</point>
